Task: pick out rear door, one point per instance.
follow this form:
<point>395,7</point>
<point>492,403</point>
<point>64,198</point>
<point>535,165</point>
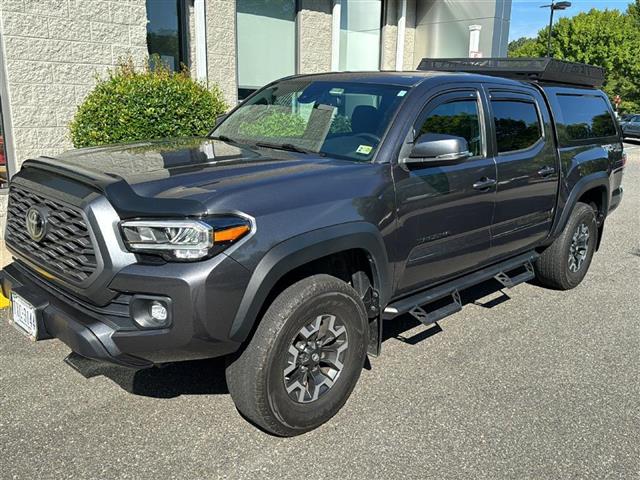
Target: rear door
<point>527,169</point>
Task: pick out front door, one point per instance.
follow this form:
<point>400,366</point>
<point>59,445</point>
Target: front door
<point>527,170</point>
<point>445,212</point>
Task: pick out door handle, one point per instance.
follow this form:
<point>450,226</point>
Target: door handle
<point>546,171</point>
<point>484,183</point>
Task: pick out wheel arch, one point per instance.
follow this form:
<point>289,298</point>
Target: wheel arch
<point>304,249</point>
<point>593,187</point>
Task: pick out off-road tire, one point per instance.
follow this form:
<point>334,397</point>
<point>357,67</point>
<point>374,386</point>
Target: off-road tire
<point>255,376</point>
<point>552,268</point>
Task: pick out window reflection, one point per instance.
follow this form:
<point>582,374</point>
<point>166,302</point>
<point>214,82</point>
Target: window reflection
<point>166,35</point>
<point>459,118</point>
<point>517,125</point>
<point>584,117</point>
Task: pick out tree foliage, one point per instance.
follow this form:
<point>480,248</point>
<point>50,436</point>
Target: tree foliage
<point>149,104</point>
<point>608,38</point>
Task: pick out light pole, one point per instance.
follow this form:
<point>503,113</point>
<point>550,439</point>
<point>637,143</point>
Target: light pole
<point>553,7</point>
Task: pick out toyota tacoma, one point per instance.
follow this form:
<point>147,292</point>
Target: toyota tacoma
<point>319,208</point>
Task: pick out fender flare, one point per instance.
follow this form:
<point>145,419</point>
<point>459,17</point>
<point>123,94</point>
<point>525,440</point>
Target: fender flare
<point>303,249</point>
<point>589,182</point>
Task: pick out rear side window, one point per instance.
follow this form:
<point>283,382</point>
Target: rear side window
<point>585,117</point>
<point>517,124</point>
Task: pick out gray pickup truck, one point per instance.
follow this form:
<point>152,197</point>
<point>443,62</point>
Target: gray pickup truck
<point>317,209</point>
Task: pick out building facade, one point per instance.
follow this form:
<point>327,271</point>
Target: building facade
<point>52,51</point>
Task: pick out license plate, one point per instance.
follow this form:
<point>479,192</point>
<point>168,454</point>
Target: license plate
<point>24,315</point>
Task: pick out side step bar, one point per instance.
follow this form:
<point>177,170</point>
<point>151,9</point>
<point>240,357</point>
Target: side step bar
<point>509,273</point>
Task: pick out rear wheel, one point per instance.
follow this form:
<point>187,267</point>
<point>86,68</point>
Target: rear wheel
<point>565,262</point>
<point>304,358</point>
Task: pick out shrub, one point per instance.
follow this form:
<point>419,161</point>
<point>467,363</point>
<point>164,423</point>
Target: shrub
<point>153,103</point>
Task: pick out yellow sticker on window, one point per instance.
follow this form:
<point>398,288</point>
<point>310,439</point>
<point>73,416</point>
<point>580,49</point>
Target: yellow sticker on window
<point>364,149</point>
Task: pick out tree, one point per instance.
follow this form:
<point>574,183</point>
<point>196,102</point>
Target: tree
<point>633,10</point>
<point>515,45</point>
<point>607,38</point>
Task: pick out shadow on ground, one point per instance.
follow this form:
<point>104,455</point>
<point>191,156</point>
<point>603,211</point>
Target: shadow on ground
<point>195,377</point>
<point>206,377</point>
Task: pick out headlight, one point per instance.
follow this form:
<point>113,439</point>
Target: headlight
<point>184,240</point>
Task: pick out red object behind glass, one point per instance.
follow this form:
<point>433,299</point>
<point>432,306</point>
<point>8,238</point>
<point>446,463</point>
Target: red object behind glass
<point>2,162</point>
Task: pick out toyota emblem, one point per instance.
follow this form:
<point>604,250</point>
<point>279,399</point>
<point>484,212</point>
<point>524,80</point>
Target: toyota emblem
<point>36,221</point>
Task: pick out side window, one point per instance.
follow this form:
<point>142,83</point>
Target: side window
<point>517,124</point>
<point>585,117</point>
<point>458,117</point>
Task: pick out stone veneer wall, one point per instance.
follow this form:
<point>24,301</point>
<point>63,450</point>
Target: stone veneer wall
<point>53,51</point>
<point>314,36</point>
<point>221,47</point>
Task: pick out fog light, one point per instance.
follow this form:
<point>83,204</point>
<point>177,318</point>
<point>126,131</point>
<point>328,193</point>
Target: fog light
<point>159,311</point>
<point>151,312</point>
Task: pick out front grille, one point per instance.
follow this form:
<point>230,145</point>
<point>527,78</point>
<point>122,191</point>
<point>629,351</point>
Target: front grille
<point>66,250</point>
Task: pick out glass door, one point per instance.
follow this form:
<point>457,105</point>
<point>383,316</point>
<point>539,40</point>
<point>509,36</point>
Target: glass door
<point>266,42</point>
<point>360,22</point>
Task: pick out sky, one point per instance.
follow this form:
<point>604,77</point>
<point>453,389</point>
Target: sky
<point>527,17</point>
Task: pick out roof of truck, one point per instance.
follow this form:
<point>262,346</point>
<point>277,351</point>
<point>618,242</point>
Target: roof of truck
<point>405,78</point>
<point>495,70</point>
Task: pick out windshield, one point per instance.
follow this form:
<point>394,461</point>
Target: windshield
<point>339,119</point>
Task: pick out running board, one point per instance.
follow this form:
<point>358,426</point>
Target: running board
<point>417,304</point>
<point>432,316</point>
<point>508,281</point>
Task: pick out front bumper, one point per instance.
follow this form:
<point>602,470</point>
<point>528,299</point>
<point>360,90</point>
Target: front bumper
<point>204,296</point>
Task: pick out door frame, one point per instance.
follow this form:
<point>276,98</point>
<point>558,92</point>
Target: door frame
<point>9,144</point>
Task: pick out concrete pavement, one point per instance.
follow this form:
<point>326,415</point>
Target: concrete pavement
<point>529,383</point>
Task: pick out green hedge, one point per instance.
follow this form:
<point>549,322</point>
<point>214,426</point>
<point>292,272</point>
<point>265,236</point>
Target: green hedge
<point>145,104</point>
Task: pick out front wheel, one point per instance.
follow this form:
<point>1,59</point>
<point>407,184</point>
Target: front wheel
<point>304,358</point>
<point>565,262</point>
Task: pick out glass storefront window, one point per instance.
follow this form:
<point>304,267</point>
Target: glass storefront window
<point>360,22</point>
<point>266,42</point>
<point>167,32</point>
<point>4,171</point>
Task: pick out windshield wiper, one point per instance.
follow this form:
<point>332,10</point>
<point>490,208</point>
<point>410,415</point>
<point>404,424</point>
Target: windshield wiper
<point>290,147</point>
<point>224,138</point>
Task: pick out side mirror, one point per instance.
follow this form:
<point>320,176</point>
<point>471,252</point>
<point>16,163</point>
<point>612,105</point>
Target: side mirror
<point>220,118</point>
<point>433,149</point>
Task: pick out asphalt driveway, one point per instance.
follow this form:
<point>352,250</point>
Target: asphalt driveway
<point>529,383</point>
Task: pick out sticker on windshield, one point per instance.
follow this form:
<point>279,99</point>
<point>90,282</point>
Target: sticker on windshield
<point>401,93</point>
<point>364,149</point>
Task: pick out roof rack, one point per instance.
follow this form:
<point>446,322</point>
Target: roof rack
<point>528,69</point>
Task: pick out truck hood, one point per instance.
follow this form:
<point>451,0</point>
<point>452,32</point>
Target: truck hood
<point>182,176</point>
